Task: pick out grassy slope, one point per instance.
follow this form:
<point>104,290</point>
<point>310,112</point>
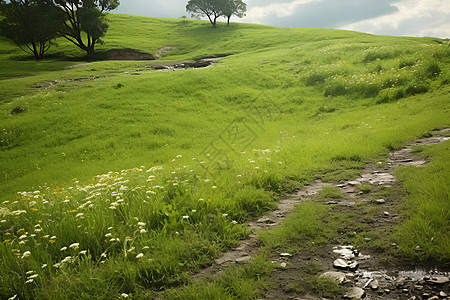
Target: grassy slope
<point>274,84</point>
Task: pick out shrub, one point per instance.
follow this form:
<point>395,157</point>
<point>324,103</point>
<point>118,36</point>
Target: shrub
<point>335,88</point>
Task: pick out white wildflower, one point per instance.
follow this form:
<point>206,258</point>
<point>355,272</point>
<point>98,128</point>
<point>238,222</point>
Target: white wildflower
<point>74,246</point>
<point>139,255</point>
<point>26,254</point>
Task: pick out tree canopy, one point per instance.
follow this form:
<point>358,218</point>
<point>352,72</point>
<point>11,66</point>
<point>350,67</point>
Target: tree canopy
<point>85,21</point>
<point>213,9</point>
<point>234,7</point>
<point>30,24</point>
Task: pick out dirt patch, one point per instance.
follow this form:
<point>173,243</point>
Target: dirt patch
<point>361,274</point>
<point>160,51</point>
<point>48,84</point>
<point>128,54</point>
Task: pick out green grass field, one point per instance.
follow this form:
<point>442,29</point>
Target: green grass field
<point>114,183</point>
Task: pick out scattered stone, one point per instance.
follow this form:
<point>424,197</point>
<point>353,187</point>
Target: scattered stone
<point>367,283</point>
<point>265,221</point>
<point>418,287</point>
<point>337,276</point>
<point>400,281</point>
<point>354,182</point>
<point>243,259</point>
<point>354,293</point>
<point>434,298</point>
<point>283,265</point>
<point>350,276</point>
<point>387,291</point>
<point>374,285</point>
<point>438,280</point>
<point>346,252</point>
<point>386,214</point>
<point>340,264</point>
<point>426,294</point>
<point>443,294</point>
<point>380,201</point>
<point>285,254</point>
<point>405,291</point>
<point>353,265</point>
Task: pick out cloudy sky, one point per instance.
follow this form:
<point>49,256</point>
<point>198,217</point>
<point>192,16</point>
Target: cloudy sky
<point>386,17</point>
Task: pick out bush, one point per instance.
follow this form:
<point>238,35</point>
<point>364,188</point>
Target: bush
<point>335,88</point>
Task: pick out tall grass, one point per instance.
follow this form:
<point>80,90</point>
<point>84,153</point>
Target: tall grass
<point>423,233</point>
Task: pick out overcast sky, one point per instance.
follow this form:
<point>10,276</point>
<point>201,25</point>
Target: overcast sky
<point>386,17</point>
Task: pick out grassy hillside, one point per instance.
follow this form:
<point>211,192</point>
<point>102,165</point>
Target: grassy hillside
<point>189,156</point>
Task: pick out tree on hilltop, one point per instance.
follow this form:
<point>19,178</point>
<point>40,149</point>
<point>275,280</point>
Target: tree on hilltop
<point>234,7</point>
<point>212,9</point>
<point>30,24</point>
<point>85,23</point>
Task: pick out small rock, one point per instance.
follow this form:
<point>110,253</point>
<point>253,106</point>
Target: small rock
<point>434,298</point>
<point>400,281</point>
<point>386,214</point>
<point>380,201</point>
<point>340,264</point>
<point>354,293</point>
<point>418,287</point>
<point>353,265</point>
<point>265,221</point>
<point>283,265</point>
<point>387,291</point>
<point>443,294</point>
<point>438,280</point>
<point>285,254</point>
<point>405,291</point>
<point>426,294</point>
<point>354,182</point>
<point>374,285</point>
<point>243,259</point>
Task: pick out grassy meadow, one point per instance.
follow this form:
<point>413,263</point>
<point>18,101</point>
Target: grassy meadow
<point>116,185</point>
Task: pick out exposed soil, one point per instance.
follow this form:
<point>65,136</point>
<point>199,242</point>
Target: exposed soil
<point>48,84</point>
<point>368,275</point>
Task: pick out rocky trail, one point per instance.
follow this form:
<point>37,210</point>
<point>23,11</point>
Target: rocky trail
<point>362,274</point>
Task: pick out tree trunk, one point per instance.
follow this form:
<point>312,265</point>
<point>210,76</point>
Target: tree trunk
<point>90,53</point>
<point>228,20</point>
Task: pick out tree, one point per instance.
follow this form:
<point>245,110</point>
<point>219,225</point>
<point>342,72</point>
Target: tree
<point>30,24</point>
<point>234,7</point>
<point>212,9</point>
<point>85,22</point>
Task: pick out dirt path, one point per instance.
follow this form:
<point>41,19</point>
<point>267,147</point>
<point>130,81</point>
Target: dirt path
<point>362,275</point>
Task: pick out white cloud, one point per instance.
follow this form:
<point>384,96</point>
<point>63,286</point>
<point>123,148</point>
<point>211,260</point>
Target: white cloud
<point>413,17</point>
<point>280,10</point>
